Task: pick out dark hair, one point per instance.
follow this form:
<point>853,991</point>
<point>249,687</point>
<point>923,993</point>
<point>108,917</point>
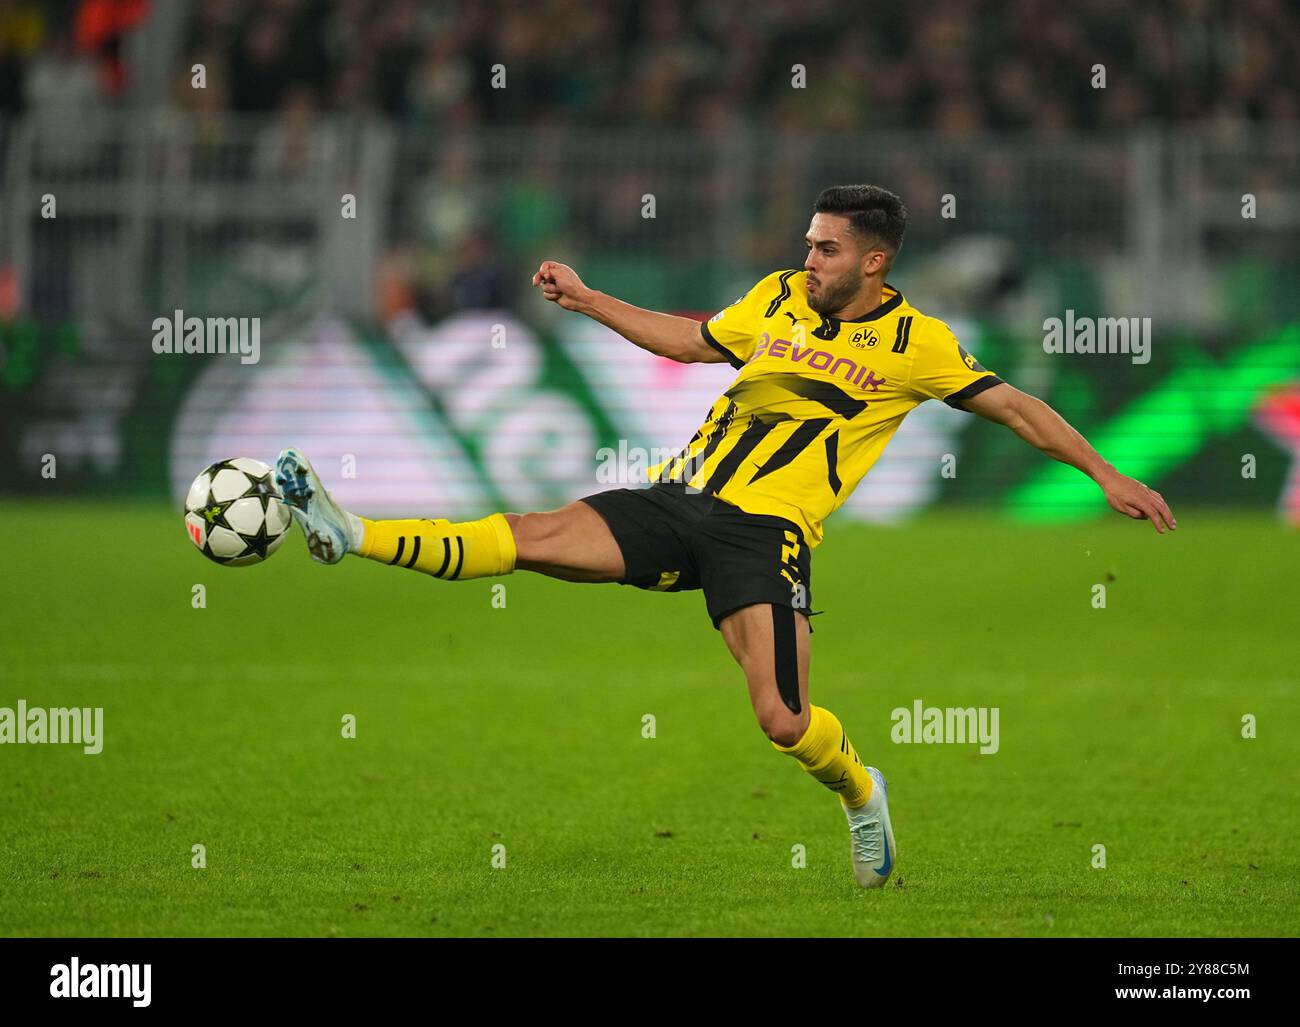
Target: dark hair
<point>875,214</point>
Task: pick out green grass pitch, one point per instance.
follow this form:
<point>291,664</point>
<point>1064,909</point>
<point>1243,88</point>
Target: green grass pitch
<point>522,727</point>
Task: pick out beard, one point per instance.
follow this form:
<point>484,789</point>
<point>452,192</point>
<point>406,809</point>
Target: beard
<point>832,296</point>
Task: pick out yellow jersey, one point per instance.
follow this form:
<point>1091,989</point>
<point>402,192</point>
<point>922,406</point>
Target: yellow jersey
<point>816,399</point>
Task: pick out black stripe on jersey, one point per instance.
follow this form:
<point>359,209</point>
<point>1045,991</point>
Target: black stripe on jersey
<point>732,359</point>
<point>729,464</point>
<point>401,544</point>
<point>664,476</point>
<point>894,301</point>
<point>799,440</point>
<point>828,329</point>
<point>832,461</point>
<point>902,333</point>
<point>694,465</point>
<point>828,394</point>
<point>681,453</point>
<point>415,553</point>
<point>446,556</point>
<point>973,389</point>
<point>783,295</point>
<point>460,558</point>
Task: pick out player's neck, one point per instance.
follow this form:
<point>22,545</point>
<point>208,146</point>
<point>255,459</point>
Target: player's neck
<point>871,296</point>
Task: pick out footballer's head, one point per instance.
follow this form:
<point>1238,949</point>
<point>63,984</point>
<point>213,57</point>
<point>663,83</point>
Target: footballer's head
<point>855,234</point>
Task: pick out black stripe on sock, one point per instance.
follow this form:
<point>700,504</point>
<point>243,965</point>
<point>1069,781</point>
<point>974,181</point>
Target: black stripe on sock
<point>446,556</point>
<point>460,557</point>
<point>401,545</point>
<point>415,553</point>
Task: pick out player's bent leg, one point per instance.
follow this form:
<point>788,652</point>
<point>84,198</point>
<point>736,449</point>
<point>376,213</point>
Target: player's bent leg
<point>777,675</point>
<point>772,645</point>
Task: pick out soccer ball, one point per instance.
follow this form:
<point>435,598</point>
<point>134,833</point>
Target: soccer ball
<point>233,513</point>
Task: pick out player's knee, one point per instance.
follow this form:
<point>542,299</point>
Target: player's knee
<point>781,725</point>
<point>533,533</point>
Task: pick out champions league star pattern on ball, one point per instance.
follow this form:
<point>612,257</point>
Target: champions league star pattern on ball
<point>233,512</point>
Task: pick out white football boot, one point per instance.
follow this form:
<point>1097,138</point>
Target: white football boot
<point>331,531</point>
<point>871,836</point>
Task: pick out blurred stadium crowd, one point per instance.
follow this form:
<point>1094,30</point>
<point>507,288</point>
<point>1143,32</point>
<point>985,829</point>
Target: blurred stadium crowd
<point>950,67</point>
<point>1032,191</point>
<point>484,181</point>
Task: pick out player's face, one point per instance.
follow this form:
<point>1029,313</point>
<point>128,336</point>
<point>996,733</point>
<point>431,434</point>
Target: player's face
<point>834,263</point>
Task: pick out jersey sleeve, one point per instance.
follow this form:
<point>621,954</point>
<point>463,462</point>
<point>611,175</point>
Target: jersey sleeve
<point>733,331</point>
<point>944,370</point>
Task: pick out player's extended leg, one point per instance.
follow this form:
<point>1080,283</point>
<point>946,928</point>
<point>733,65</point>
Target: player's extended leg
<point>772,645</point>
<point>573,543</point>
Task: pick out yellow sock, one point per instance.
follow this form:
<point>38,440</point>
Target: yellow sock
<point>453,552</point>
<point>826,753</point>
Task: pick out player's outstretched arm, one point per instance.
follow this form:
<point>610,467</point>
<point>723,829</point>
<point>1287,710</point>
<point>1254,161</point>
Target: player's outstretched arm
<point>668,335</point>
<point>1041,426</point>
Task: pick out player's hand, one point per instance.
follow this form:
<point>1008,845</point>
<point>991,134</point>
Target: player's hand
<point>561,284</point>
<point>1133,499</point>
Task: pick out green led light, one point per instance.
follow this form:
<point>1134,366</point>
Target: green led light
<point>1165,427</point>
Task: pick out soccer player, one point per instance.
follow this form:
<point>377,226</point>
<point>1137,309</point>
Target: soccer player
<point>830,358</point>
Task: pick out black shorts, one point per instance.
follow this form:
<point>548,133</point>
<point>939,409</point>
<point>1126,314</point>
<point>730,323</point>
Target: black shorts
<point>675,540</point>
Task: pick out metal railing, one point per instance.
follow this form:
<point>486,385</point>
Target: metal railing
<point>152,211</point>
